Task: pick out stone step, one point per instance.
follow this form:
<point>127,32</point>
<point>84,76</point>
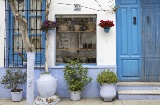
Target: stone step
<point>138,90</point>
<point>138,86</point>
<point>138,83</point>
<point>147,92</point>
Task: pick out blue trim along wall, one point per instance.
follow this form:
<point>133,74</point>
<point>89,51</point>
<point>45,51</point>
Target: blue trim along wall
<point>91,90</point>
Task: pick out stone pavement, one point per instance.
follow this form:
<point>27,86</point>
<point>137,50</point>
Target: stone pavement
<point>89,101</point>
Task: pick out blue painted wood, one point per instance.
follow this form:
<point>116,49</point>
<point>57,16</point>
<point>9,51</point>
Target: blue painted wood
<point>128,2</point>
<point>151,40</point>
<point>7,35</point>
<point>128,41</point>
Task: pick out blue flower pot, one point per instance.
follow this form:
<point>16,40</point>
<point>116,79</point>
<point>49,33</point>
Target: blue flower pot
<point>106,29</point>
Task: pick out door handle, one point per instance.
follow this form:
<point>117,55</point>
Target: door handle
<point>134,20</point>
<point>147,18</point>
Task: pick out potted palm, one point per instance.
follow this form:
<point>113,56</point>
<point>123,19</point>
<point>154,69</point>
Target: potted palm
<point>76,77</point>
<point>107,80</point>
<point>11,80</point>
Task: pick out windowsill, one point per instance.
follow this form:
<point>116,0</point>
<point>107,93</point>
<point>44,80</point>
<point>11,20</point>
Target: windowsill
<point>83,64</point>
<point>62,66</point>
<point>93,65</point>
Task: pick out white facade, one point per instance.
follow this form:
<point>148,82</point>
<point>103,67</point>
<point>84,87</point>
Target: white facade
<point>2,32</point>
<point>106,42</point>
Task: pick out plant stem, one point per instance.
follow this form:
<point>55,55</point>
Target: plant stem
<point>46,54</point>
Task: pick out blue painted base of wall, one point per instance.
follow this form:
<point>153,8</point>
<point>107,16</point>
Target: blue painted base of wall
<point>139,97</point>
<point>91,90</point>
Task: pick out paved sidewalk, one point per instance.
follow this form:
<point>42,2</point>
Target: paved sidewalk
<point>89,101</point>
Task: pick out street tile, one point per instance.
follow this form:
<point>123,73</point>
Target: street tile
<point>89,101</point>
<point>130,102</point>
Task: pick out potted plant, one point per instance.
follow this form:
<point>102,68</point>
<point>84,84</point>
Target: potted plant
<point>106,24</point>
<point>48,25</point>
<point>62,24</point>
<point>91,26</point>
<point>76,77</point>
<point>11,80</point>
<point>107,80</point>
<point>47,84</point>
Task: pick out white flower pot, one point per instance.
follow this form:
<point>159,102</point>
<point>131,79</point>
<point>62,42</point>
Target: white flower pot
<point>16,96</point>
<point>107,92</point>
<point>24,63</point>
<point>46,85</point>
<point>75,96</point>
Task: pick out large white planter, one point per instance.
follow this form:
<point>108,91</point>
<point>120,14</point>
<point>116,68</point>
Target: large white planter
<point>46,85</point>
<point>16,96</point>
<point>75,96</point>
<point>108,92</point>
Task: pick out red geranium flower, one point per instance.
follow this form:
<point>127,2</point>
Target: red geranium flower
<point>105,24</point>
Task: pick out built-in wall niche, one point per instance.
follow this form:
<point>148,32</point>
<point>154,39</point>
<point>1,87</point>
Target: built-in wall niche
<point>76,38</point>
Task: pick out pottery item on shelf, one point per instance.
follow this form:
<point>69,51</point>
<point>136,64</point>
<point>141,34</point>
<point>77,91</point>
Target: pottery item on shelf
<point>83,59</point>
<point>91,26</point>
<point>77,27</point>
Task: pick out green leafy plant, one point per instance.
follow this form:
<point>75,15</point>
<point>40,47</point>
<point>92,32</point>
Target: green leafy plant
<point>21,56</point>
<point>107,77</point>
<point>12,78</point>
<point>76,75</point>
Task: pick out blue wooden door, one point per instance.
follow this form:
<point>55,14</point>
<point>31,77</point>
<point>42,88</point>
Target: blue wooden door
<point>128,40</point>
<point>150,39</point>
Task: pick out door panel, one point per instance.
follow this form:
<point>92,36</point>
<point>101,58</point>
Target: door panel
<point>128,41</point>
<point>151,40</point>
<point>128,2</point>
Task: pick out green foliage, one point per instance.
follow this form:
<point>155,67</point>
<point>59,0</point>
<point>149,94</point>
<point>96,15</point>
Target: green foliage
<point>76,75</point>
<point>12,78</point>
<point>45,73</point>
<point>107,77</point>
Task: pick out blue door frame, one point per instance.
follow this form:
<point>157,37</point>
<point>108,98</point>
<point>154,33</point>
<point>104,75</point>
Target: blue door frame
<point>128,40</point>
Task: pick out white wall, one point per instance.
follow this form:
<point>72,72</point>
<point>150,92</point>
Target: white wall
<point>106,42</point>
<point>2,32</point>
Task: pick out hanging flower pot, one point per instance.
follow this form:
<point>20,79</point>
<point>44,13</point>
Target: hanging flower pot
<point>106,25</point>
<point>106,29</point>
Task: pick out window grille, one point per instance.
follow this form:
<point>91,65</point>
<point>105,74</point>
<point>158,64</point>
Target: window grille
<point>34,12</point>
